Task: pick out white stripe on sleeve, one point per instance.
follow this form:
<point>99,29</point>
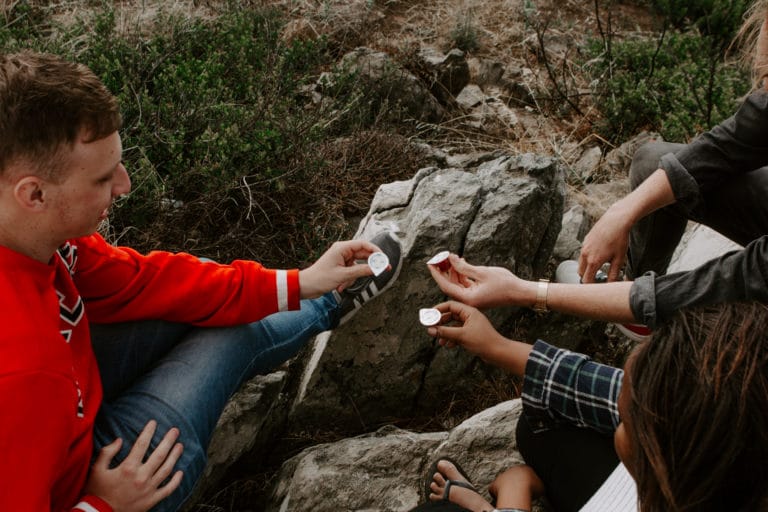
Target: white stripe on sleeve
<point>282,290</point>
<point>85,507</point>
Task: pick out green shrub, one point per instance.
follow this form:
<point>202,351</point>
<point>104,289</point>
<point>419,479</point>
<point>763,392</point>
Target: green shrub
<point>677,82</point>
<point>464,35</point>
<point>673,89</point>
<point>219,137</point>
<point>717,20</point>
<point>24,22</point>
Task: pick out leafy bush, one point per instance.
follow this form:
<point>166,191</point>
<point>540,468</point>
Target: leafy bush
<point>717,20</point>
<point>668,88</point>
<point>219,137</point>
<point>678,83</point>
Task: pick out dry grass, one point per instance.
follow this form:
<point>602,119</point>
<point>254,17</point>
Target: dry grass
<point>506,32</point>
<point>290,220</point>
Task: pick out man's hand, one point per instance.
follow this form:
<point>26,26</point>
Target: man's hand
<point>483,287</point>
<point>136,485</point>
<point>336,268</point>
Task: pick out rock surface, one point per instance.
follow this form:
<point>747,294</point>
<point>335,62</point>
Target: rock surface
<point>382,365</point>
<point>387,470</point>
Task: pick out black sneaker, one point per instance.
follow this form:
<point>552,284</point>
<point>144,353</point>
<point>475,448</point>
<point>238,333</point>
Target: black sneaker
<point>366,288</point>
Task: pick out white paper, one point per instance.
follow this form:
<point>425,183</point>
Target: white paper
<point>617,494</point>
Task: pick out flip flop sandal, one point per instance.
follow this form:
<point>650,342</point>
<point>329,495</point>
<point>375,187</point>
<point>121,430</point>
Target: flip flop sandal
<point>448,483</point>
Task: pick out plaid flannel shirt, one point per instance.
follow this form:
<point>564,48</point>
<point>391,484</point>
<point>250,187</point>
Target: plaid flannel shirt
<point>564,387</point>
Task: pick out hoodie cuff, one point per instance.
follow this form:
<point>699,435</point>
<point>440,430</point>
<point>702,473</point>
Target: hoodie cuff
<point>92,504</point>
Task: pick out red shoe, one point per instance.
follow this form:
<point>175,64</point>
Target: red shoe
<point>635,332</point>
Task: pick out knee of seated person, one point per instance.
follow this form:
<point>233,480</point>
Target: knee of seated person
<point>645,161</point>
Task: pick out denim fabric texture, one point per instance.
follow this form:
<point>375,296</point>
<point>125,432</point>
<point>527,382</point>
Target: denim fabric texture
<point>183,376</point>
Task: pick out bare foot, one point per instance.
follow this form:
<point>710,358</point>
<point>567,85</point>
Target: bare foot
<point>467,498</point>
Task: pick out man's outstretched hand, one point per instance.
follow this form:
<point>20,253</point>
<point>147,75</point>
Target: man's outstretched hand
<point>337,268</point>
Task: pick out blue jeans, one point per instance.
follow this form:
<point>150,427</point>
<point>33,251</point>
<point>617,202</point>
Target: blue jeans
<point>183,376</point>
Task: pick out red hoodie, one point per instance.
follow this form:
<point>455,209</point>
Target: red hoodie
<point>50,389</point>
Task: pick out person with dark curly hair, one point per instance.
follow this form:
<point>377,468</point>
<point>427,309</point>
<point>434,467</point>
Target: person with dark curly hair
<point>686,418</point>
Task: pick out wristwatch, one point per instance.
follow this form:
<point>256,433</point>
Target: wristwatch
<point>541,296</point>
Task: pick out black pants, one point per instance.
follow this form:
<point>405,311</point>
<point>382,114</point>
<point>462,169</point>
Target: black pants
<point>572,462</point>
<point>737,210</point>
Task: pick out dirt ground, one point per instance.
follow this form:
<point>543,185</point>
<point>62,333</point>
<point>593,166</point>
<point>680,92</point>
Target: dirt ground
<point>542,39</point>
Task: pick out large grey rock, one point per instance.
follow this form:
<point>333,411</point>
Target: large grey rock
<point>373,472</point>
<point>386,471</point>
<point>520,216</point>
<point>492,208</point>
<point>382,365</point>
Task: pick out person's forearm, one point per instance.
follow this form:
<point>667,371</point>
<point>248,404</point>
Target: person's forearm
<point>654,193</point>
<point>606,301</point>
<point>735,276</point>
<point>509,355</point>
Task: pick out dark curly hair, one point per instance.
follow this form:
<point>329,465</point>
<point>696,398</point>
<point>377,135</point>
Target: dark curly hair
<point>699,412</point>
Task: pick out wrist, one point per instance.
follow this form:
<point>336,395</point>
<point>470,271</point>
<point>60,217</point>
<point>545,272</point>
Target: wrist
<point>509,355</point>
<point>306,283</point>
<point>626,211</point>
<point>89,503</point>
<point>498,351</point>
<point>514,291</point>
<point>542,292</point>
<point>530,291</point>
